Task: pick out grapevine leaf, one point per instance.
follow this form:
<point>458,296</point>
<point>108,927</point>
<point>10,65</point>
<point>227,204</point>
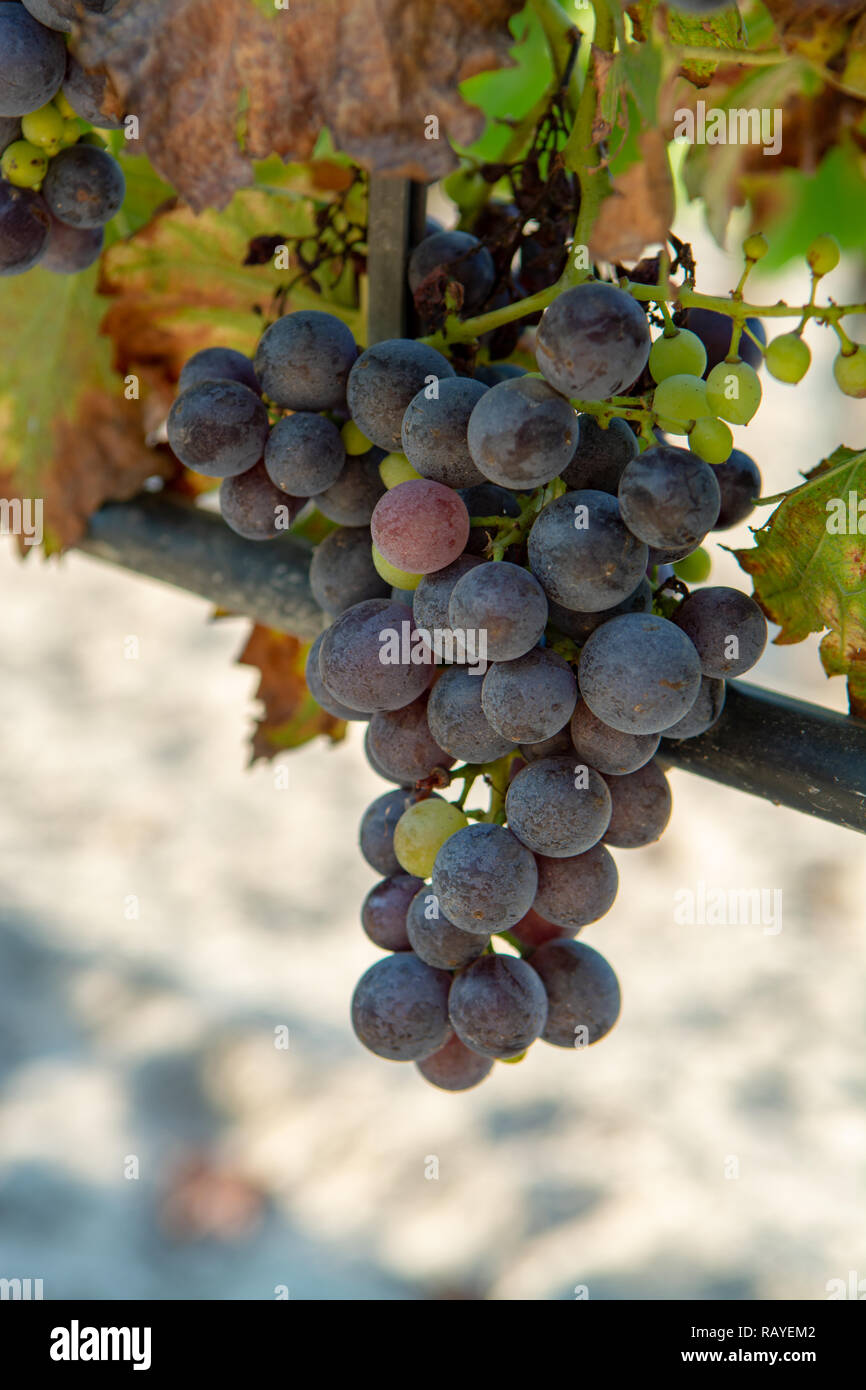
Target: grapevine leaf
<point>810,576</point>
<point>68,434</point>
<point>640,208</point>
<point>291,715</point>
<point>214,85</point>
<point>180,284</point>
<point>721,30</point>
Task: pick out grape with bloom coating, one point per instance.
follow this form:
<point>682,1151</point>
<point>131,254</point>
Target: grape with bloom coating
<point>484,878</point>
<point>437,941</point>
<point>420,526</point>
<point>640,807</point>
<point>218,428</point>
<point>733,392</point>
<point>726,627</point>
<point>304,359</point>
<point>680,353</point>
<point>434,432</point>
<point>531,698</point>
<point>503,601</point>
<point>739,481</point>
<point>400,1008</point>
<point>583,554</point>
<point>383,382</point>
<point>458,256</point>
<point>218,363</point>
<point>669,497</point>
<point>342,572</point>
<point>593,341</point>
<point>322,697</point>
<point>601,455</point>
<point>498,1006</point>
<point>458,722</point>
<point>522,434</point>
<point>606,749</point>
<point>402,745</point>
<point>558,807</point>
<point>84,186</point>
<point>455,1067</point>
<point>254,508</point>
<point>576,891</point>
<point>582,993</point>
<point>376,831</point>
<point>421,832</point>
<point>703,713</point>
<point>351,657</point>
<point>639,673</point>
<point>304,454</point>
<point>32,62</point>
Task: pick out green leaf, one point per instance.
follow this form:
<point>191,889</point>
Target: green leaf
<point>808,566</point>
<point>508,95</point>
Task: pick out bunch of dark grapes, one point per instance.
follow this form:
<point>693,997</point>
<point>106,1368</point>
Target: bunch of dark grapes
<point>59,185</point>
<point>582,671</point>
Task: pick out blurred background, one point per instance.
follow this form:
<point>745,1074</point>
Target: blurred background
<point>165,910</point>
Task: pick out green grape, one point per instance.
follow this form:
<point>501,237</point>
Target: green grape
<point>711,440</point>
<point>62,103</point>
<point>823,255</point>
<point>755,247</point>
<point>850,372</point>
<point>396,468</point>
<point>398,579</point>
<point>51,150</point>
<point>421,832</point>
<point>672,426</point>
<point>679,354</point>
<point>788,357</point>
<point>23,164</point>
<point>681,398</point>
<point>733,392</point>
<point>695,568</point>
<point>43,127</point>
<point>354,442</point>
<point>71,131</point>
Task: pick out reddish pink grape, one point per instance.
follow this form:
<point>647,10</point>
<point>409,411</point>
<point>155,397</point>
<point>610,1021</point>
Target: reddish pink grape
<point>420,526</point>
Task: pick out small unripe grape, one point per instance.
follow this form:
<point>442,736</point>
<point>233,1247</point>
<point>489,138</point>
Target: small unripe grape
<point>823,255</point>
<point>681,398</point>
<point>755,247</point>
<point>354,442</point>
<point>71,131</point>
<point>733,392</point>
<point>788,357</point>
<point>672,426</point>
<point>421,832</point>
<point>850,372</point>
<point>695,568</point>
<point>679,354</point>
<point>398,579</point>
<point>64,106</point>
<point>396,468</point>
<point>711,440</point>
<point>43,127</point>
<point>23,164</point>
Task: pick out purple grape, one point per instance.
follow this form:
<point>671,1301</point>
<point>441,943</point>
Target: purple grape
<point>739,481</point>
<point>593,341</point>
<point>557,808</point>
<point>402,745</point>
<point>669,497</point>
<point>253,508</point>
<point>434,432</point>
<point>606,749</point>
<point>218,364</point>
<point>498,1006</point>
<point>457,256</point>
<point>32,62</point>
<point>304,454</point>
<point>383,914</point>
<point>703,713</point>
<point>400,1008</point>
<point>582,993</point>
<point>385,380</point>
<point>458,722</point>
<point>579,625</point>
<point>503,601</point>
<point>529,699</point>
<point>640,807</point>
<point>351,500</point>
<point>484,878</point>
<point>376,834</point>
<point>84,186</point>
<point>521,433</point>
<point>455,1067</point>
<point>331,706</point>
<point>304,359</point>
<point>25,224</point>
<point>573,892</point>
<point>726,627</point>
<point>218,428</point>
<point>639,673</point>
<point>582,554</point>
<point>437,941</point>
<point>351,660</point>
<point>342,572</point>
<point>600,456</point>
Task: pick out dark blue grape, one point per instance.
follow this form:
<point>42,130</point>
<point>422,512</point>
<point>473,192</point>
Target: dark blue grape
<point>253,508</point>
<point>304,359</point>
<point>434,432</point>
<point>739,481</point>
<point>71,249</point>
<point>24,229</point>
<point>703,713</point>
<point>32,62</point>
<point>352,499</point>
<point>437,941</point>
<point>669,497</point>
<point>582,553</point>
<point>601,455</point>
<point>521,433</point>
<point>84,186</point>
<point>583,998</point>
<point>402,745</point>
<point>579,625</point>
<point>492,374</point>
<point>304,454</point>
<point>593,341</point>
<point>609,750</point>
<point>576,891</point>
<point>218,364</point>
<point>383,914</point>
<point>558,807</point>
<point>531,698</point>
<point>376,834</point>
<point>323,697</point>
<point>640,807</point>
<point>342,572</point>
<point>455,1067</point>
<point>351,656</point>
<point>639,673</point>
<point>218,428</point>
<point>484,878</point>
<point>498,1006</point>
<point>457,721</point>
<point>714,330</point>
<point>400,1008</point>
<point>385,380</point>
<point>727,628</point>
<point>505,603</point>
<point>458,256</point>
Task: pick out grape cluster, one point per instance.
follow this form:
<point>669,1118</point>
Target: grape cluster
<point>59,185</point>
<point>493,621</point>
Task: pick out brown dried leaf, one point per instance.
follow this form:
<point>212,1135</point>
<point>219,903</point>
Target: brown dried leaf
<point>291,716</point>
<point>214,85</point>
<point>640,208</point>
